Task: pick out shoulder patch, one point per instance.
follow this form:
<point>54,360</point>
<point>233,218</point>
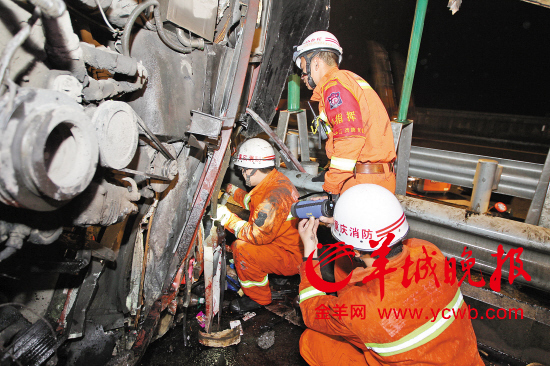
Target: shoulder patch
<point>334,100</point>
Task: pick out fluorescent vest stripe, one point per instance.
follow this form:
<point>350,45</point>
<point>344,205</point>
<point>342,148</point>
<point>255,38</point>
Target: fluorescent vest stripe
<point>323,116</point>
<point>248,284</point>
<point>290,217</point>
<point>238,226</point>
<point>310,292</point>
<point>342,164</point>
<point>246,201</point>
<point>422,335</point>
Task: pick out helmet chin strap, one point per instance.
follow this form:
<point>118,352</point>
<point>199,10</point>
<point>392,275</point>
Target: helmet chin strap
<point>308,68</point>
<point>248,176</point>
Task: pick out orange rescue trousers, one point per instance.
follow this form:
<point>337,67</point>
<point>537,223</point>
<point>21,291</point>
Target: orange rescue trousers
<point>330,350</point>
<point>254,262</point>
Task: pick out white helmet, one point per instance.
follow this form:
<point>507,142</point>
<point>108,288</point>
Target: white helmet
<point>318,41</point>
<point>368,212</point>
<point>255,153</point>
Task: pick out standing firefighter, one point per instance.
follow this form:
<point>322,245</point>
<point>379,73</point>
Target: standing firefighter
<point>269,241</point>
<point>360,142</point>
<point>384,314</point>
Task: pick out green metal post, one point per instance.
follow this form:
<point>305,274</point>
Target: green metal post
<point>416,36</point>
<point>293,99</point>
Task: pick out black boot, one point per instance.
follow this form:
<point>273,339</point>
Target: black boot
<point>244,304</point>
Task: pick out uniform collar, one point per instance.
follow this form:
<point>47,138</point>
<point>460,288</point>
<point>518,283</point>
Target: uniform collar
<point>264,183</point>
<point>319,88</point>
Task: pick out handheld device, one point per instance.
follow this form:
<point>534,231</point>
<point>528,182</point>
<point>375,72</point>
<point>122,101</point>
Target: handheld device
<point>319,124</point>
<point>306,209</point>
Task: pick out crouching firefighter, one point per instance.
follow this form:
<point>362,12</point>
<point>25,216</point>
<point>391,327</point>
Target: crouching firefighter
<point>382,315</point>
<point>269,241</point>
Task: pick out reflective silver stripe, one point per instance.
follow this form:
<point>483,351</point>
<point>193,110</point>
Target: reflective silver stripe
<point>290,217</point>
<point>248,284</point>
<point>323,116</point>
<point>246,201</point>
<point>363,84</point>
<point>422,335</point>
<point>342,164</point>
<point>310,292</point>
<point>238,226</point>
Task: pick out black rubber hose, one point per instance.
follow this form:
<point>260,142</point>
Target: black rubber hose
<point>164,37</point>
<point>125,40</point>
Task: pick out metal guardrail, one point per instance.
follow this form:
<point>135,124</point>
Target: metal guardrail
<point>453,228</point>
<point>518,179</point>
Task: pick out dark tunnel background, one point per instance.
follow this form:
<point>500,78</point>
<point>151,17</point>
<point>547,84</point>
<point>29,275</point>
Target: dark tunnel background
<point>491,56</point>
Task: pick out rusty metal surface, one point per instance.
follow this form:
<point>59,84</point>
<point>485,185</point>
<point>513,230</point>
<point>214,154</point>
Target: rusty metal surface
<point>173,90</point>
<point>204,192</point>
<point>204,124</point>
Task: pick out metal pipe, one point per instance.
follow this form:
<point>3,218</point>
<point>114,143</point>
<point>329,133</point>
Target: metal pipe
<point>540,196</point>
<point>154,139</point>
<point>15,43</point>
<point>188,41</point>
<point>292,143</point>
<point>483,185</point>
<point>167,41</point>
<point>50,8</point>
<point>416,36</point>
<point>62,44</point>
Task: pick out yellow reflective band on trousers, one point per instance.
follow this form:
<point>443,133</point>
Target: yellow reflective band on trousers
<point>247,284</point>
<point>310,292</point>
<point>342,164</point>
<point>422,335</point>
<point>246,201</point>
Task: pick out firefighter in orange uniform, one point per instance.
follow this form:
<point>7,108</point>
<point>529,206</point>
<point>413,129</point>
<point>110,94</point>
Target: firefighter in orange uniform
<point>360,141</point>
<point>357,326</point>
<point>269,241</point>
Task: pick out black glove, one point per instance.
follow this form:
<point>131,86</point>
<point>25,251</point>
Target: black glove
<point>320,177</point>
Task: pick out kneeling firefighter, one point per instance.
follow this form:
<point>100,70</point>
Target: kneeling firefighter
<point>359,326</point>
<point>269,241</point>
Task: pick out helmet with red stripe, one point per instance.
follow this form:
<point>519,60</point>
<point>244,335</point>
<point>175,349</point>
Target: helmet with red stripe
<point>318,41</point>
<point>364,216</point>
<point>255,153</point>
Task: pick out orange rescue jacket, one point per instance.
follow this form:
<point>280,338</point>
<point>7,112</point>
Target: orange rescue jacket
<point>361,129</point>
<point>270,221</point>
<point>409,338</point>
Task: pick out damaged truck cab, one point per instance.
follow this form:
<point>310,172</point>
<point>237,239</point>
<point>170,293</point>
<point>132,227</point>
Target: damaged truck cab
<point>116,126</point>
